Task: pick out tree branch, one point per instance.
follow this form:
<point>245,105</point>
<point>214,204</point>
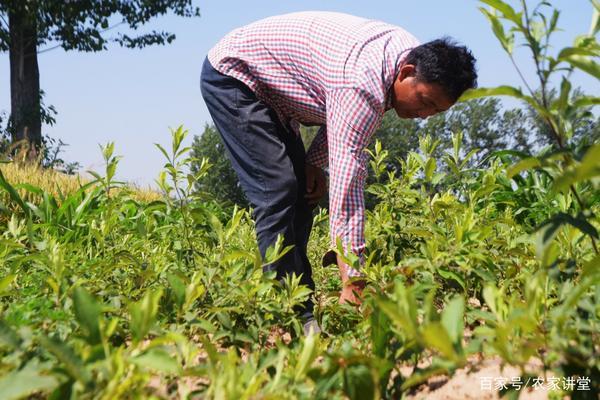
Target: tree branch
<point>2,30</point>
<point>49,48</point>
<point>5,22</point>
<point>60,45</point>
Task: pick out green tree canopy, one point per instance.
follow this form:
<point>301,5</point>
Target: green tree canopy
<point>486,125</point>
<point>221,183</point>
<point>84,25</point>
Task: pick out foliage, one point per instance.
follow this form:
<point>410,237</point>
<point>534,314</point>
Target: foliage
<point>222,182</point>
<point>83,25</point>
<point>51,148</point>
<point>556,112</point>
<point>104,295</point>
<point>26,26</point>
<point>484,124</point>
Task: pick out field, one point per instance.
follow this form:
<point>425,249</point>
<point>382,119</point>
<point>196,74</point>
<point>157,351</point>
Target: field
<point>106,296</point>
<point>483,279</point>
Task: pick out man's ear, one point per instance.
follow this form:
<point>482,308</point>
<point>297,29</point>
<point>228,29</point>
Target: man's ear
<point>407,70</point>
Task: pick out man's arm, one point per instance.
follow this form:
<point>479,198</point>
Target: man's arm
<point>317,152</point>
<point>352,118</point>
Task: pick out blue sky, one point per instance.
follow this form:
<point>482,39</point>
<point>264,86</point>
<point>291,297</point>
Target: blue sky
<point>133,97</point>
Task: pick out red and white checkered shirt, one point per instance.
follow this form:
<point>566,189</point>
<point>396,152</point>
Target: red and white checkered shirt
<point>329,69</point>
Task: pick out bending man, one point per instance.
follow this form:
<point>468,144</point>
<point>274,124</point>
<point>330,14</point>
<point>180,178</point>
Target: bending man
<point>333,70</point>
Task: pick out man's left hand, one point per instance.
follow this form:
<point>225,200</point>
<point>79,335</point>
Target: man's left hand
<point>316,184</point>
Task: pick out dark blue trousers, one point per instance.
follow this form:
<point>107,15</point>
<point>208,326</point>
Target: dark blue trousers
<point>269,160</point>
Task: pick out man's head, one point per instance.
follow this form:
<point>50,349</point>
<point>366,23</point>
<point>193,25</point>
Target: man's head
<point>432,77</point>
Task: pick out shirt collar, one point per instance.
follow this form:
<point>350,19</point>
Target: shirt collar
<point>390,90</point>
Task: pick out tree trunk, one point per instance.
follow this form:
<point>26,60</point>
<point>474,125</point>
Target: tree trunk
<point>24,78</point>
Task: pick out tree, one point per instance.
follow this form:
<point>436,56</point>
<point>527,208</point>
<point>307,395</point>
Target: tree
<point>485,126</point>
<point>25,25</point>
<point>584,124</point>
<point>484,123</point>
<point>221,183</point>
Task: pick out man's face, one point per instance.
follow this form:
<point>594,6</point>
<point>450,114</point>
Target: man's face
<point>412,98</point>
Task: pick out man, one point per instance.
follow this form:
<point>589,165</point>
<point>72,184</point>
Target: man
<point>333,70</point>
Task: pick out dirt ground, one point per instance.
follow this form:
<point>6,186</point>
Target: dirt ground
<point>481,380</point>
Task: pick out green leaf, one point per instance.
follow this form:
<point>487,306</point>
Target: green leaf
<point>505,91</point>
<point>183,151</point>
<point>449,274</point>
<point>402,321</point>
<point>22,383</point>
<point>13,194</point>
<point>563,99</point>
<point>30,188</point>
<point>545,235</point>
<point>143,315</point>
<point>95,175</point>
<point>6,281</point>
<point>553,21</point>
<point>582,224</point>
<point>162,150</point>
<point>507,42</point>
<point>549,229</point>
<point>586,101</point>
<point>380,332</point>
<point>67,357</point>
<point>310,350</point>
<point>8,337</point>
<point>523,165</point>
<point>110,170</point>
<point>507,11</point>
<point>591,267</point>
<point>88,313</point>
<point>177,137</point>
<point>452,319</point>
<point>358,382</point>
<point>595,24</point>
<point>550,254</point>
<point>436,337</point>
<point>430,167</point>
<point>515,153</point>
<point>567,52</point>
<point>158,360</point>
<point>468,156</point>
<point>178,288</point>
<point>584,63</point>
<point>588,168</point>
<point>107,150</point>
<point>488,92</point>
<point>211,351</point>
<point>423,376</point>
<point>578,222</point>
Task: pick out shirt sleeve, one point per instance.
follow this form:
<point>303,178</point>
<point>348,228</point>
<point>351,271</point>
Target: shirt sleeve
<point>352,118</point>
<point>317,152</point>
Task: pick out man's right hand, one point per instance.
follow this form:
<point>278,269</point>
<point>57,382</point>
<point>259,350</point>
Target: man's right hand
<point>316,184</point>
<point>352,289</point>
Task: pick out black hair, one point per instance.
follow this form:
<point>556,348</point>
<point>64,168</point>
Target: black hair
<point>444,62</point>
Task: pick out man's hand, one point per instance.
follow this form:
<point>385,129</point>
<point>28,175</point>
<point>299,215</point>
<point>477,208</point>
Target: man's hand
<point>316,184</point>
<point>351,288</point>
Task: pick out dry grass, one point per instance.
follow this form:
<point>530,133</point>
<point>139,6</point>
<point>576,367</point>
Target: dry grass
<point>54,182</point>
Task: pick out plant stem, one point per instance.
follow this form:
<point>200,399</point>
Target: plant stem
<point>544,102</point>
<point>536,58</point>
